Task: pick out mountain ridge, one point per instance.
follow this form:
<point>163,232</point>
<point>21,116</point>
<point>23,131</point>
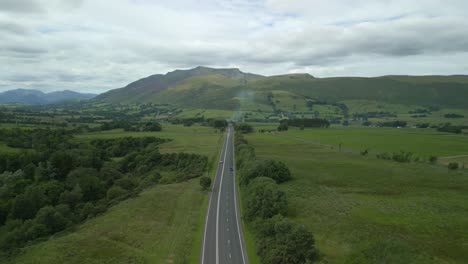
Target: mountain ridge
<point>230,88</point>
<point>33,96</point>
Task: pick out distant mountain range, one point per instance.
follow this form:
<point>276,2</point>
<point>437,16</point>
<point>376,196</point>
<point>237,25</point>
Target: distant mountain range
<point>232,89</point>
<point>30,96</point>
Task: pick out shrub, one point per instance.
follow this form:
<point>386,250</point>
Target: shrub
<point>384,156</point>
<point>205,182</point>
<point>115,192</point>
<point>433,159</point>
<point>453,166</point>
<point>402,156</point>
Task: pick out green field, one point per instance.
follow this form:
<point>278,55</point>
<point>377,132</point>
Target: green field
<point>365,210</point>
<point>422,142</point>
<point>162,225</point>
<point>195,139</point>
<point>6,149</point>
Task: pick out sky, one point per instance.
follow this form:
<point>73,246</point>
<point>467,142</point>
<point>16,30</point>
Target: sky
<point>98,45</point>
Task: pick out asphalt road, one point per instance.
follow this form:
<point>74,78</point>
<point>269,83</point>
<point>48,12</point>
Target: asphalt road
<point>222,237</point>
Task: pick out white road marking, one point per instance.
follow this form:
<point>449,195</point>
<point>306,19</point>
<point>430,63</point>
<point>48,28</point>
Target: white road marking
<point>209,204</point>
<point>219,198</point>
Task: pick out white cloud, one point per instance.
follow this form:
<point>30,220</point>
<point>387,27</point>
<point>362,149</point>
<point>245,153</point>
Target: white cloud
<point>100,45</point>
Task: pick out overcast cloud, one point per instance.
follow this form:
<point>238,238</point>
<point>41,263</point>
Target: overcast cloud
<point>97,45</point>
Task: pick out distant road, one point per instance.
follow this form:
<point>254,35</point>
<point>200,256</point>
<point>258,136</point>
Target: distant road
<point>222,236</point>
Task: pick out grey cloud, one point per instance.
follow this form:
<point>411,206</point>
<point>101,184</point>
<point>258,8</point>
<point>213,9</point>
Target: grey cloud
<point>13,28</point>
<point>20,6</point>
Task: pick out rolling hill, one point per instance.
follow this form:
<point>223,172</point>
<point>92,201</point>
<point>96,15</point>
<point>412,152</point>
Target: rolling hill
<point>232,89</point>
<point>29,96</point>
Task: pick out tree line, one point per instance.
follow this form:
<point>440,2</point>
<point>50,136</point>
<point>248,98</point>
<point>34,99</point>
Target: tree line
<point>278,239</point>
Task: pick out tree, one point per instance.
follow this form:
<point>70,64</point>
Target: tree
<point>453,166</point>
<point>63,162</point>
<point>282,241</point>
<point>115,192</point>
<point>263,199</point>
<point>205,182</point>
<point>283,127</point>
<point>25,206</point>
<point>433,159</point>
<point>88,180</point>
<point>152,126</point>
<point>73,197</point>
<point>53,220</point>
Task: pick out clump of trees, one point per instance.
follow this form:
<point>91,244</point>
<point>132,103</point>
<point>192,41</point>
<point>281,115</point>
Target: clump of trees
<point>283,126</point>
<point>453,166</point>
<point>218,123</point>
<point>396,123</point>
<point>276,170</point>
<point>279,240</point>
<point>381,114</point>
<point>244,128</point>
<point>402,156</point>
<point>308,122</point>
<point>448,128</point>
<point>451,115</point>
<point>132,126</point>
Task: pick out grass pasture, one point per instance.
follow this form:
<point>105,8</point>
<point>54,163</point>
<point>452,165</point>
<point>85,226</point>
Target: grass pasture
<point>365,210</point>
<point>422,142</point>
<point>195,139</point>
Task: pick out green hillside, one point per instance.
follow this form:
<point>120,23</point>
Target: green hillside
<point>232,89</point>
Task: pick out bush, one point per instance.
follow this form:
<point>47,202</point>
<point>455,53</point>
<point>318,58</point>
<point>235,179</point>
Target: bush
<point>125,183</point>
<point>115,192</point>
<point>402,156</point>
<point>263,199</point>
<point>150,179</point>
<point>433,159</point>
<point>205,183</point>
<point>453,166</point>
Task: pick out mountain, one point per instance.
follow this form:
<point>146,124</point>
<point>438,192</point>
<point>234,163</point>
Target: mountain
<point>148,89</point>
<point>29,96</point>
<point>204,87</point>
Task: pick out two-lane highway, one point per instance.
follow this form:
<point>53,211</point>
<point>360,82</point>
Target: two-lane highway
<point>222,237</point>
